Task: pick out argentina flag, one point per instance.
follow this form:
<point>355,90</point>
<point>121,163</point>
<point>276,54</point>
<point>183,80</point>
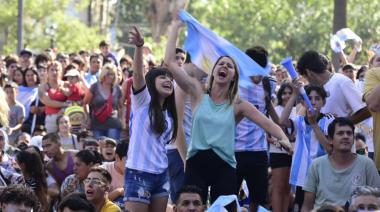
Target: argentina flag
<point>205,47</point>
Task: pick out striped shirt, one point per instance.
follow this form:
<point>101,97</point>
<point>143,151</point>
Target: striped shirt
<point>187,117</point>
<point>249,136</point>
<point>307,148</point>
<point>146,148</point>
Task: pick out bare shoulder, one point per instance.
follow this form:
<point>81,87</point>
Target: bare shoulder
<point>239,105</point>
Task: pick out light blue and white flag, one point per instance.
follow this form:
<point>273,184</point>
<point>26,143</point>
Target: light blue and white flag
<point>337,41</point>
<point>205,47</point>
<point>26,95</point>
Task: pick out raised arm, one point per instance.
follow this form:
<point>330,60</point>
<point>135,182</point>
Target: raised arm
<point>137,39</point>
<point>284,117</point>
<point>354,52</point>
<point>343,58</point>
<point>181,138</point>
<point>187,83</point>
<point>312,118</point>
<point>272,113</point>
<point>246,109</point>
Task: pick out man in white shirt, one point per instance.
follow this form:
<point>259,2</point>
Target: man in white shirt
<point>343,100</point>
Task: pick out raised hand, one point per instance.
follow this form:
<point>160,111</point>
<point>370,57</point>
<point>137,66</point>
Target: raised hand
<point>135,37</point>
<point>312,117</point>
<point>176,19</point>
<point>296,84</point>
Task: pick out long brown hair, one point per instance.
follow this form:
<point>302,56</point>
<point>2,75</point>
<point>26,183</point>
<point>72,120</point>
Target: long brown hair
<point>33,168</point>
<point>234,85</point>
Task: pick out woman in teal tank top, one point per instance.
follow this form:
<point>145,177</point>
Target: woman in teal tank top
<point>211,158</point>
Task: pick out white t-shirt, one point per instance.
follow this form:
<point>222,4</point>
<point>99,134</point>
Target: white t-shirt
<point>343,99</point>
<point>147,151</point>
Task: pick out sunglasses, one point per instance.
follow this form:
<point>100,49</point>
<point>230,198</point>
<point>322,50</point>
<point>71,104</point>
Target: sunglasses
<point>360,151</point>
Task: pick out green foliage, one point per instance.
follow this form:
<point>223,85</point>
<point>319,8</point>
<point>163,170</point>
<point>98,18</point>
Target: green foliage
<point>71,34</point>
<point>285,27</point>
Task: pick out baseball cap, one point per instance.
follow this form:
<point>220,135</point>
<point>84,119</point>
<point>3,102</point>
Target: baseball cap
<point>72,73</point>
<point>26,52</point>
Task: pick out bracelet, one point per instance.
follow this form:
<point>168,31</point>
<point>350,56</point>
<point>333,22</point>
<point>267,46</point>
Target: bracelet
<point>142,44</point>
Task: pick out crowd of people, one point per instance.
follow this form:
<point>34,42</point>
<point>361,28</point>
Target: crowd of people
<point>90,132</point>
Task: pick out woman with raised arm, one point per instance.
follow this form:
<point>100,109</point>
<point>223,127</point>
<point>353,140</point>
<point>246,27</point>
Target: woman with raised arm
<point>211,156</point>
<point>154,124</point>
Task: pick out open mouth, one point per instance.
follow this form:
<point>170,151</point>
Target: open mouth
<point>222,74</point>
<point>89,193</point>
<point>167,86</point>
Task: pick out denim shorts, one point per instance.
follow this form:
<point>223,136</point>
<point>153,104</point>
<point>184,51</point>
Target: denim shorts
<point>140,186</point>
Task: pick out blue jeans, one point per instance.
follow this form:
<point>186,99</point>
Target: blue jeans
<point>176,173</point>
<point>140,186</point>
<point>110,133</point>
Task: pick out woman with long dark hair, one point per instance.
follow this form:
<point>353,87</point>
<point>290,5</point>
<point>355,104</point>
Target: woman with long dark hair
<point>27,92</point>
<point>280,160</point>
<point>83,161</point>
<point>154,124</point>
<point>211,155</point>
<point>28,96</point>
<point>34,175</point>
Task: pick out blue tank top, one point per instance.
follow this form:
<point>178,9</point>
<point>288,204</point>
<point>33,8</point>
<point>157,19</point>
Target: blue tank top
<point>213,127</point>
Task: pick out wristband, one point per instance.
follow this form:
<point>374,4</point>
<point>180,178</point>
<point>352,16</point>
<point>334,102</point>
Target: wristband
<point>141,45</point>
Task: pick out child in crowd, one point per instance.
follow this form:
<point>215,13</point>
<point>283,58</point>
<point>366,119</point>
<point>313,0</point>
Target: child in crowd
<point>74,91</point>
<point>67,139</point>
<point>311,130</point>
<point>107,149</point>
<point>117,169</point>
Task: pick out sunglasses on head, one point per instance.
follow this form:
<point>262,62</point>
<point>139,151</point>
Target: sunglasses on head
<point>360,151</point>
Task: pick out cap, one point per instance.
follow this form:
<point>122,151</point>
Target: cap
<point>36,141</point>
<point>109,141</point>
<point>26,52</point>
<point>72,73</point>
<point>62,56</point>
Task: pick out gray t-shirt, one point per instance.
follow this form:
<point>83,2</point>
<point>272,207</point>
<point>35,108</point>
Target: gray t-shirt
<point>16,113</point>
<point>332,185</point>
<point>98,101</point>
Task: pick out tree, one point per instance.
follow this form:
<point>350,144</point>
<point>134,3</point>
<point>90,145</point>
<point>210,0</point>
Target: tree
<point>71,33</point>
<point>339,22</point>
<point>286,27</point>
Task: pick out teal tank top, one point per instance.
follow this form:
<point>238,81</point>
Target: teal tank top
<point>213,127</point>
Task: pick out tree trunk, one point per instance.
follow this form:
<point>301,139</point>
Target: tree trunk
<point>339,22</point>
<point>160,13</point>
<point>89,14</point>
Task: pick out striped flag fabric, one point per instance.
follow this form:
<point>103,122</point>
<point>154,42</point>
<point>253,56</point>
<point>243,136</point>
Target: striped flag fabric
<point>205,47</point>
